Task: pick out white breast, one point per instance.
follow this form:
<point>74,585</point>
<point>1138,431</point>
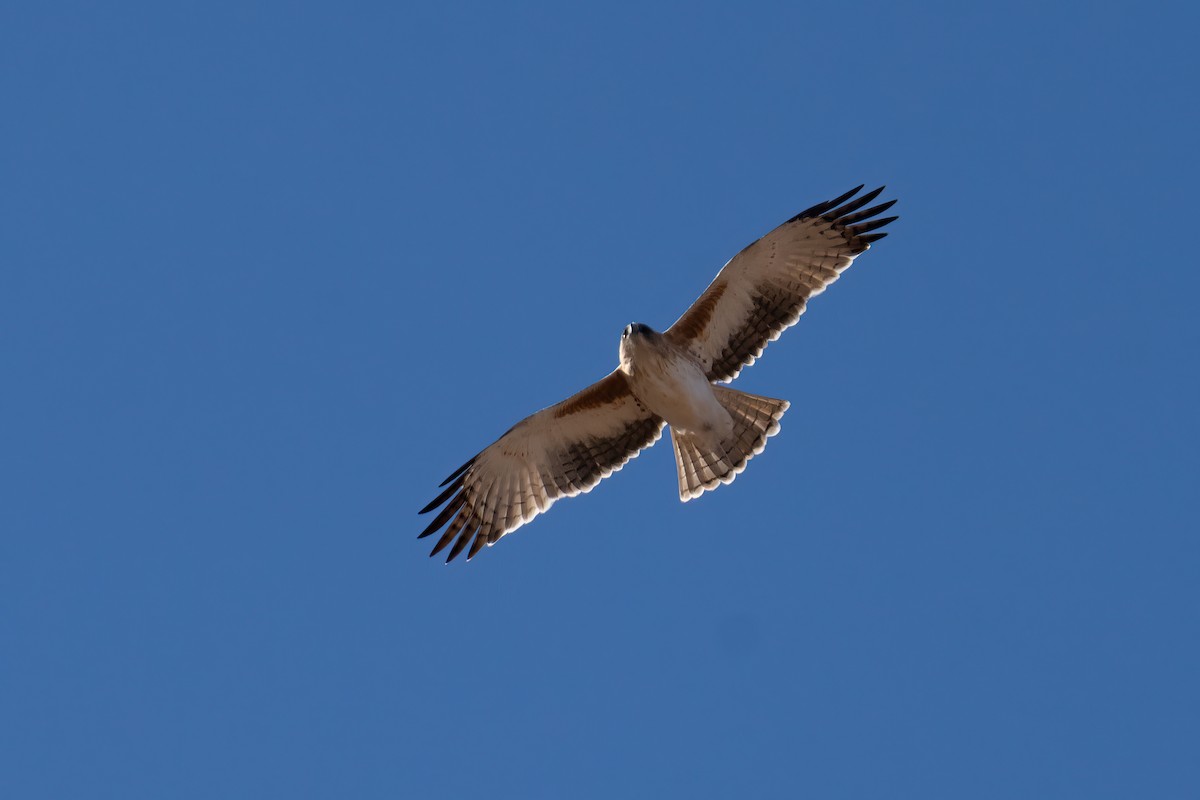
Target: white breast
<point>672,385</point>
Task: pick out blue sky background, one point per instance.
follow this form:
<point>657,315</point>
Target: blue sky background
<point>268,272</point>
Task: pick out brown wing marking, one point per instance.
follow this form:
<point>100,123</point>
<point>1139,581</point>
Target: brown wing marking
<point>603,392</point>
<point>694,322</point>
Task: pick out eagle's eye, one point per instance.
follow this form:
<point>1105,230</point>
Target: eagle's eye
<point>628,330</point>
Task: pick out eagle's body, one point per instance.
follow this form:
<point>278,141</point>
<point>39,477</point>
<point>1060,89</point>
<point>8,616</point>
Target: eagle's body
<point>671,383</point>
<point>671,378</point>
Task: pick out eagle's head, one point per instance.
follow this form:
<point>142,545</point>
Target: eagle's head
<point>634,335</point>
<point>636,329</point>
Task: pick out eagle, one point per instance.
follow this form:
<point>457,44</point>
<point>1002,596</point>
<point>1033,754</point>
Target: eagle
<point>676,378</point>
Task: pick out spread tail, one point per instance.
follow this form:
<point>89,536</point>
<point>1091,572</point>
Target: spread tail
<point>703,464</point>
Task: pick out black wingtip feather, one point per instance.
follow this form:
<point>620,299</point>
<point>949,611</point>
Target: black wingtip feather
<point>822,208</point>
<point>865,227</point>
<point>447,537</point>
<point>443,497</point>
<point>839,200</point>
<point>462,541</point>
<point>477,545</point>
<point>458,472</point>
<point>867,214</point>
<point>444,516</point>
<point>854,205</point>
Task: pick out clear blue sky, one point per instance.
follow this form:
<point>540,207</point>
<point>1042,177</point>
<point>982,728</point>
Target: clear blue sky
<point>268,272</point>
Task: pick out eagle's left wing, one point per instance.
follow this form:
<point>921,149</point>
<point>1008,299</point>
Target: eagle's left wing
<point>763,290</point>
<point>560,451</point>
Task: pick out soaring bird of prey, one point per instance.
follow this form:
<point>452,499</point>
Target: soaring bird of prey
<point>671,378</point>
